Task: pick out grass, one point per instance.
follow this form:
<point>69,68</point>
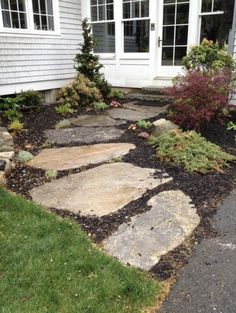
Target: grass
<point>47,265</point>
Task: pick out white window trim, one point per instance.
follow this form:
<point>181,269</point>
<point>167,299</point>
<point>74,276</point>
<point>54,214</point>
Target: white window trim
<point>30,31</point>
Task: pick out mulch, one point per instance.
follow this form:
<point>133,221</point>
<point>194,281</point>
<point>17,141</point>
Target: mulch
<point>206,191</point>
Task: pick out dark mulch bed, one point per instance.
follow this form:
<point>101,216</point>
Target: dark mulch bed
<point>206,191</point>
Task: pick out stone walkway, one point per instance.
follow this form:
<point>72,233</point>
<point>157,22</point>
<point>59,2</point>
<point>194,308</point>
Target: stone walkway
<point>107,188</point>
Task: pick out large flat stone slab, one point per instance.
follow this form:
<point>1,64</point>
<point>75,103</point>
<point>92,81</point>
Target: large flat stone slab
<point>99,191</point>
<point>145,108</point>
<point>148,236</point>
<point>130,115</point>
<point>95,121</point>
<point>81,135</point>
<point>75,157</point>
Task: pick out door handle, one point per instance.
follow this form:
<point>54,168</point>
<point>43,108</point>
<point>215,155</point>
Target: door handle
<point>159,42</point>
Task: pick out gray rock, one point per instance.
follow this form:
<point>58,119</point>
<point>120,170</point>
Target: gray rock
<point>81,135</point>
<point>163,126</point>
<point>145,108</point>
<point>75,157</point>
<point>98,191</point>
<point>95,121</point>
<point>6,140</point>
<point>130,115</point>
<point>148,236</point>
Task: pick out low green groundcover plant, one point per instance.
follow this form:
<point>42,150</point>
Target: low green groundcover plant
<point>191,151</point>
<point>144,124</point>
<point>48,265</point>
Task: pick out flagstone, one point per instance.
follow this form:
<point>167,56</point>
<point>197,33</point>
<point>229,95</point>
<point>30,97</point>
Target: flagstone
<point>80,135</point>
<point>145,108</point>
<point>99,191</point>
<point>148,236</point>
<point>95,121</point>
<point>130,115</point>
<point>74,157</point>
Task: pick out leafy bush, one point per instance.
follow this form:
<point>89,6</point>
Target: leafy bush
<point>199,97</point>
<point>87,63</point>
<point>31,98</point>
<point>80,92</point>
<point>191,151</point>
<point>10,108</point>
<point>208,56</point>
<point>119,94</point>
<point>63,124</point>
<point>231,126</point>
<point>144,124</point>
<point>16,125</point>
<point>99,106</point>
<point>65,109</point>
<point>12,114</point>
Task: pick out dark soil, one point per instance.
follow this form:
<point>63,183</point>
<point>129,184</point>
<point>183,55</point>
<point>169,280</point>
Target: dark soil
<point>206,191</point>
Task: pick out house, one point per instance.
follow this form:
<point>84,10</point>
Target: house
<point>140,42</point>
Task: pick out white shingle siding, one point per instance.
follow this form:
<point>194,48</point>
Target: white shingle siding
<point>41,62</point>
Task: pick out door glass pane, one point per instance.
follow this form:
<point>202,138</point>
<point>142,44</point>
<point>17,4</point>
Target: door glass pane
<point>167,56</point>
<point>169,15</point>
<point>145,8</point>
<point>136,36</point>
<point>180,52</point>
<point>104,35</point>
<point>168,35</point>
<point>182,13</point>
<point>6,19</point>
<point>4,4</point>
<point>135,9</point>
<point>206,5</point>
<point>181,35</point>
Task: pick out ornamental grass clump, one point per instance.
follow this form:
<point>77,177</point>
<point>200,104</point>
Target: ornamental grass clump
<point>191,151</point>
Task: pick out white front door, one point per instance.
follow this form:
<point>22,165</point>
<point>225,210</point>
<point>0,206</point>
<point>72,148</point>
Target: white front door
<point>178,23</point>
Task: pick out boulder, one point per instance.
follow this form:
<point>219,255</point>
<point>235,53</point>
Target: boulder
<point>163,126</point>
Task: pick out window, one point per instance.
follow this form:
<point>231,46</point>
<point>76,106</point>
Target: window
<point>14,14</point>
<point>103,25</point>
<point>136,24</point>
<point>43,15</point>
<point>216,20</point>
<point>33,16</point>
<point>175,31</point>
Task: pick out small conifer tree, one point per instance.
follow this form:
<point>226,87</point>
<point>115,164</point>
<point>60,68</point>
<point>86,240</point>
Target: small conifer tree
<point>87,63</point>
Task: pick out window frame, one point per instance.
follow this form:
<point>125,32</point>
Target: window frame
<point>134,55</point>
<point>30,30</point>
<point>104,55</point>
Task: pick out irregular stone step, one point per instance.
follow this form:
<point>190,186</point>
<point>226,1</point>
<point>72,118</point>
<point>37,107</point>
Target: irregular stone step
<point>6,141</point>
<point>145,108</point>
<point>148,236</point>
<point>82,135</point>
<point>153,90</point>
<point>148,97</point>
<point>95,121</point>
<point>98,191</point>
<point>130,115</point>
<point>75,157</point>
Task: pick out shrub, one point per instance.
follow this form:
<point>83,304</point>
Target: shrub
<point>231,126</point>
<point>191,151</point>
<point>16,125</point>
<point>51,174</point>
<point>119,94</point>
<point>10,107</point>
<point>65,109</point>
<point>144,124</point>
<point>24,156</point>
<point>99,106</point>
<point>63,124</point>
<point>80,92</point>
<point>31,98</point>
<point>208,56</point>
<point>199,97</point>
<point>12,114</point>
<point>87,63</point>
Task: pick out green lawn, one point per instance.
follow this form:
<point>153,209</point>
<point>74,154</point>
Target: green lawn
<point>48,265</point>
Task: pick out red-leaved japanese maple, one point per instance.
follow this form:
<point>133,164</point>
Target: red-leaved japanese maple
<point>199,97</point>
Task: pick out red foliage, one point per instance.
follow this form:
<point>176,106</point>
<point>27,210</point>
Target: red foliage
<point>199,97</point>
